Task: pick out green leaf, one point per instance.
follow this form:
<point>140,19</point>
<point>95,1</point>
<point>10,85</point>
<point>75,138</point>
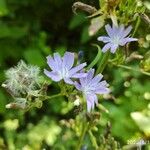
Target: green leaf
<point>85,35</point>
<point>34,57</point>
<point>77,20</point>
<point>97,58</point>
<point>2,102</point>
<point>3,8</point>
<point>12,31</point>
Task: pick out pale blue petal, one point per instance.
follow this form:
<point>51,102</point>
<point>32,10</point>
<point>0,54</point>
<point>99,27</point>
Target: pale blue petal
<point>109,30</point>
<point>86,81</point>
<point>79,75</point>
<point>127,31</point>
<point>127,40</point>
<point>115,30</point>
<point>90,74</point>
<point>90,104</point>
<point>114,48</point>
<point>106,47</point>
<point>121,29</point>
<point>58,60</point>
<point>96,79</point>
<point>78,86</point>
<point>53,75</point>
<point>76,69</point>
<point>52,64</point>
<point>68,81</point>
<point>91,101</point>
<point>102,90</point>
<point>68,60</point>
<point>104,39</point>
<point>83,81</point>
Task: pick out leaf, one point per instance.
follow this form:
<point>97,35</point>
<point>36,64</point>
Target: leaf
<point>34,57</point>
<point>12,31</point>
<point>3,8</point>
<point>2,102</point>
<point>77,20</point>
<point>85,35</point>
<point>97,58</point>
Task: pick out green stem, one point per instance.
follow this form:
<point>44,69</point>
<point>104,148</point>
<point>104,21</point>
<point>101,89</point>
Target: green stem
<point>136,26</point>
<point>51,97</point>
<point>132,69</point>
<point>85,127</point>
<point>103,63</point>
<point>93,140</point>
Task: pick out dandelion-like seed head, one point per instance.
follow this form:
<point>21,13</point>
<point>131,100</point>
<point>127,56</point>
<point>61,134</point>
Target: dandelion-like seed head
<point>21,79</point>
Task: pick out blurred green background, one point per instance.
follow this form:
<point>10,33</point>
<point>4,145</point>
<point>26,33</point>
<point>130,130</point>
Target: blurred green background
<point>31,30</point>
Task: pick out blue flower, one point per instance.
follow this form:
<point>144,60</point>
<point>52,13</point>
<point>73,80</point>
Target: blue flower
<point>62,68</point>
<point>117,36</point>
<point>90,86</point>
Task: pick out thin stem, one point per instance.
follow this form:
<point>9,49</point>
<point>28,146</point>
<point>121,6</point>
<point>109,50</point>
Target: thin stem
<point>93,140</point>
<point>103,62</point>
<point>51,97</point>
<point>85,127</point>
<point>136,26</point>
<point>132,69</point>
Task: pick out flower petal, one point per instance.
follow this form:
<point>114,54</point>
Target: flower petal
<point>85,81</point>
<point>58,60</point>
<point>52,64</point>
<point>115,30</point>
<point>104,39</point>
<point>121,29</point>
<point>68,60</point>
<point>90,74</point>
<point>91,100</point>
<point>127,40</point>
<point>109,30</point>
<point>114,48</point>
<point>76,69</point>
<point>102,90</point>
<point>127,31</point>
<point>90,104</point>
<point>106,47</point>
<point>68,81</point>
<point>96,79</point>
<point>79,75</point>
<point>53,75</point>
<point>78,86</point>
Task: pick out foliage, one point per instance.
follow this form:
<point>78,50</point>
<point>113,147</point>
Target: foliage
<point>31,30</point>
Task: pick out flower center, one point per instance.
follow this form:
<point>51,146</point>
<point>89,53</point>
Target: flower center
<point>115,40</point>
<point>64,72</point>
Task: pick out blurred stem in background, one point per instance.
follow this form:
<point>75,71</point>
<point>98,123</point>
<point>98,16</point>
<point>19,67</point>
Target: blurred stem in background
<point>132,69</point>
<point>84,130</point>
<point>103,62</point>
<point>93,139</point>
<point>53,96</point>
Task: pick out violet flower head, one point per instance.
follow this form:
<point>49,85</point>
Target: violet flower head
<point>117,36</point>
<point>62,68</point>
<point>90,86</point>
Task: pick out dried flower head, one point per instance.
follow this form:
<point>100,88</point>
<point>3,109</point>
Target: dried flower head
<point>21,79</point>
